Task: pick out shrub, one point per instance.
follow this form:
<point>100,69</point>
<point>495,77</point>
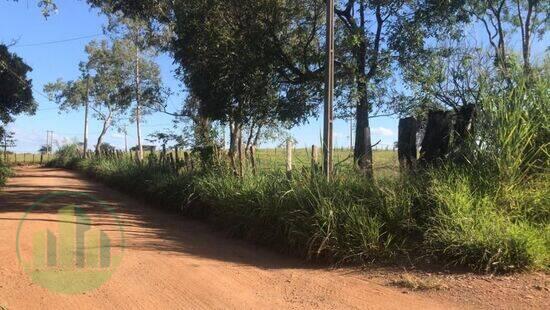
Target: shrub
<point>5,173</point>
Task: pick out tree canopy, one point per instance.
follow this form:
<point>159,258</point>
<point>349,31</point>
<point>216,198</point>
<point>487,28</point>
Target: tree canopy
<point>15,86</point>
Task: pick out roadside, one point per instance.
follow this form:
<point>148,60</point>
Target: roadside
<point>170,261</point>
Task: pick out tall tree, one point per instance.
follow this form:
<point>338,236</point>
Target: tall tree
<point>102,86</point>
<point>142,45</point>
<point>381,35</point>
<point>15,87</point>
<point>73,95</point>
<point>221,47</point>
<point>7,140</point>
<point>501,18</point>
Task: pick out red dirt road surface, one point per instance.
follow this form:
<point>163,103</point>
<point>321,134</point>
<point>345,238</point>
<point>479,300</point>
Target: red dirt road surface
<point>170,262</point>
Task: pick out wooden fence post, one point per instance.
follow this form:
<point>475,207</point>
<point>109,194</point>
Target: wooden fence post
<point>289,157</point>
<point>253,158</point>
<point>435,145</point>
<point>314,159</point>
<point>406,143</point>
<point>173,162</point>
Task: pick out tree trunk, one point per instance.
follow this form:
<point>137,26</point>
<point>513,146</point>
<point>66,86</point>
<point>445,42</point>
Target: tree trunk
<point>363,145</point>
<point>138,107</point>
<point>234,145</point>
<point>106,125</point>
<point>241,153</point>
<point>86,110</point>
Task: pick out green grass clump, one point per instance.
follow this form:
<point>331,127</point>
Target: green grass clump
<point>471,226</point>
<point>5,173</point>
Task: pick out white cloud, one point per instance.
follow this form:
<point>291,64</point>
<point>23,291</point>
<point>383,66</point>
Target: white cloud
<point>382,131</point>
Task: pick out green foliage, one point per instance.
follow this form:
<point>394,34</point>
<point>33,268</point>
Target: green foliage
<point>5,173</point>
<point>472,225</point>
<point>15,87</point>
<point>66,156</point>
<point>493,213</point>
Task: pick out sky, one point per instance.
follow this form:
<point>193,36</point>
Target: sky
<point>50,46</point>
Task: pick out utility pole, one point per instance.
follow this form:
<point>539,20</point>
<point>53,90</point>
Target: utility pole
<point>329,93</point>
<point>49,141</point>
<point>138,105</point>
<point>125,139</point>
<point>86,116</point>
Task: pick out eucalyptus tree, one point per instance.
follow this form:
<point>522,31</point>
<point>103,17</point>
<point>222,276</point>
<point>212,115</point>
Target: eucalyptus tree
<point>7,140</point>
<point>15,87</point>
<point>141,45</point>
<point>280,38</point>
<point>502,18</point>
<point>102,86</point>
<point>73,95</point>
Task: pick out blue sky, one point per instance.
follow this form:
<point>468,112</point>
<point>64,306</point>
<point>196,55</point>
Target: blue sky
<point>22,21</point>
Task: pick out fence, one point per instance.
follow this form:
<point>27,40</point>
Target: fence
<point>25,158</point>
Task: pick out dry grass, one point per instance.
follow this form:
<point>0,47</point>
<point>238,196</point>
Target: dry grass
<point>415,283</point>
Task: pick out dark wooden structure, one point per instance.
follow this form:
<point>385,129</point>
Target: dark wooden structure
<point>406,143</point>
<point>435,145</point>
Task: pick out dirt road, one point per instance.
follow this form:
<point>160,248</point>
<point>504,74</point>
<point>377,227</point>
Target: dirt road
<point>171,262</point>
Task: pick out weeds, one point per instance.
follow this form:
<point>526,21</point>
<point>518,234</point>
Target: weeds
<point>415,283</point>
<point>5,173</point>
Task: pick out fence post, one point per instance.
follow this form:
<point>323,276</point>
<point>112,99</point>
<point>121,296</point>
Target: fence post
<point>253,158</point>
<point>289,157</point>
<point>33,158</point>
<point>314,159</point>
<point>406,143</point>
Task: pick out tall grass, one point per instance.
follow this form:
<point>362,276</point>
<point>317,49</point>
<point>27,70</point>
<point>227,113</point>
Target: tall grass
<point>493,214</point>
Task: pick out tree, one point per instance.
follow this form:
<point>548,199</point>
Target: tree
<point>233,58</point>
<point>73,95</point>
<point>501,18</point>
<point>381,35</point>
<point>448,77</point>
<point>146,83</point>
<point>248,63</point>
<point>15,87</point>
<point>7,140</point>
<point>47,6</point>
<point>103,86</point>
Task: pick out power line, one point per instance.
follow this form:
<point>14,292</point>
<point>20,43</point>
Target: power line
<point>59,41</point>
